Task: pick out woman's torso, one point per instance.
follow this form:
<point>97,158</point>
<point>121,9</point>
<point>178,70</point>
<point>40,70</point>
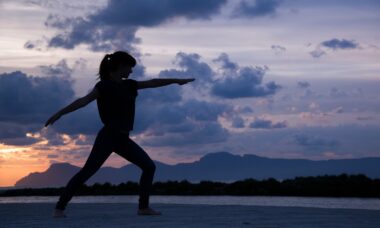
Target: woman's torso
<point>116,103</point>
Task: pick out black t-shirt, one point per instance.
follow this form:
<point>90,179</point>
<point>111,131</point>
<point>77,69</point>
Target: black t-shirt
<point>116,103</point>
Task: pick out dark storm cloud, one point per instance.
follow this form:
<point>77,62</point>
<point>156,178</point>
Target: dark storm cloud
<point>340,44</point>
<point>29,99</point>
<point>115,26</point>
<point>26,102</point>
<point>266,124</point>
<point>256,8</point>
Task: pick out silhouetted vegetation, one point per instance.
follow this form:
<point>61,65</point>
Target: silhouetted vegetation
<point>328,185</point>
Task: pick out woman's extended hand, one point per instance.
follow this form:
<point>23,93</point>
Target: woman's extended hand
<point>53,118</point>
<point>184,81</point>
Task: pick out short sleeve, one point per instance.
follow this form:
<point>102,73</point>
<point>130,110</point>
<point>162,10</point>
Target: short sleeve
<point>132,85</point>
<point>100,87</point>
<point>103,87</point>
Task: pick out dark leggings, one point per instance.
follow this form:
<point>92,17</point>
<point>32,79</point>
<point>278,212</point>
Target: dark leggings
<point>106,142</point>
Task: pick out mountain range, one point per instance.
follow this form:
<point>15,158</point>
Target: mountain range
<point>219,166</point>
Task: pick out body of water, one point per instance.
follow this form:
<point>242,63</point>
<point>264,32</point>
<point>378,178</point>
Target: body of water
<point>318,202</point>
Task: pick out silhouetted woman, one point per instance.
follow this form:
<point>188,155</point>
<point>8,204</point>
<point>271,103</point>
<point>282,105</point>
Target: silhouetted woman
<point>115,96</point>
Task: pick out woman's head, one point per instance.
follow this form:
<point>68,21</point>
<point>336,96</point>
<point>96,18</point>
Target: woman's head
<point>119,61</point>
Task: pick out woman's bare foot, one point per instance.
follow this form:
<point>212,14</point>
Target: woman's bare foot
<point>148,211</point>
<point>59,214</point>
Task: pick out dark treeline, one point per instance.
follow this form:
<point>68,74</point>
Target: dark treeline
<point>328,185</point>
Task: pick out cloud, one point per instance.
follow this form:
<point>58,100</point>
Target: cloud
<point>52,156</point>
<point>267,124</point>
<point>235,82</point>
<point>315,143</point>
<point>202,133</point>
<point>243,82</point>
<point>364,118</point>
<point>67,5</point>
<point>238,122</point>
<point>346,140</point>
<point>182,123</point>
<point>190,66</point>
<point>61,69</point>
<point>333,44</point>
<point>336,44</point>
<point>278,49</point>
<point>30,99</point>
<point>226,63</point>
<point>163,117</point>
<point>204,111</point>
<point>338,93</point>
<point>36,44</point>
<point>115,25</point>
<point>26,102</point>
<point>337,110</point>
<point>243,109</point>
<point>83,121</point>
<point>258,9</point>
<point>303,84</point>
<point>16,133</point>
<point>167,94</point>
<point>317,53</point>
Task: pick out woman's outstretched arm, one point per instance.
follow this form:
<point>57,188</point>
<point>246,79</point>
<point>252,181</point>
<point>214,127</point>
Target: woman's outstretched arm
<point>78,103</point>
<point>158,82</point>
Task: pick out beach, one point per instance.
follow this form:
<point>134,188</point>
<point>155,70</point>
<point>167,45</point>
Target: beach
<point>181,215</point>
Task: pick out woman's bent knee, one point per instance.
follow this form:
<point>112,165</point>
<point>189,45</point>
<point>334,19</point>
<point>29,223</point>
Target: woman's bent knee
<point>150,167</point>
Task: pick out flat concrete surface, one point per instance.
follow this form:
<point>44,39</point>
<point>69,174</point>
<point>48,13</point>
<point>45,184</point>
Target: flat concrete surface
<point>180,215</point>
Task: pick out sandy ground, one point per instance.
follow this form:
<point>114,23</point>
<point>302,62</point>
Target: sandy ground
<point>179,215</point>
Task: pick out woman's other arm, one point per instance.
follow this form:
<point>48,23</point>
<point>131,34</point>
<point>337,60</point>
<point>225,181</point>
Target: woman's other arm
<point>158,82</point>
<point>78,103</point>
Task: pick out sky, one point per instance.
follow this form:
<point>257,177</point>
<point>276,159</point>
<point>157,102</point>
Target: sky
<point>274,78</point>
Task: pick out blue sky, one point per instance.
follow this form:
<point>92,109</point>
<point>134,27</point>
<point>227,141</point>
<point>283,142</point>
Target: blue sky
<point>275,78</point>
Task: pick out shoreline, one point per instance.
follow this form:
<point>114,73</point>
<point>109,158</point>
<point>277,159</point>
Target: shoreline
<point>275,201</point>
<point>180,215</point>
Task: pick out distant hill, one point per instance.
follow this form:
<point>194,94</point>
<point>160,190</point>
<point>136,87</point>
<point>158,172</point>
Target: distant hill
<point>220,166</point>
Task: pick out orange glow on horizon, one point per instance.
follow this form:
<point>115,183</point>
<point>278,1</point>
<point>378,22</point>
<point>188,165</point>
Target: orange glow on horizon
<point>19,161</point>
